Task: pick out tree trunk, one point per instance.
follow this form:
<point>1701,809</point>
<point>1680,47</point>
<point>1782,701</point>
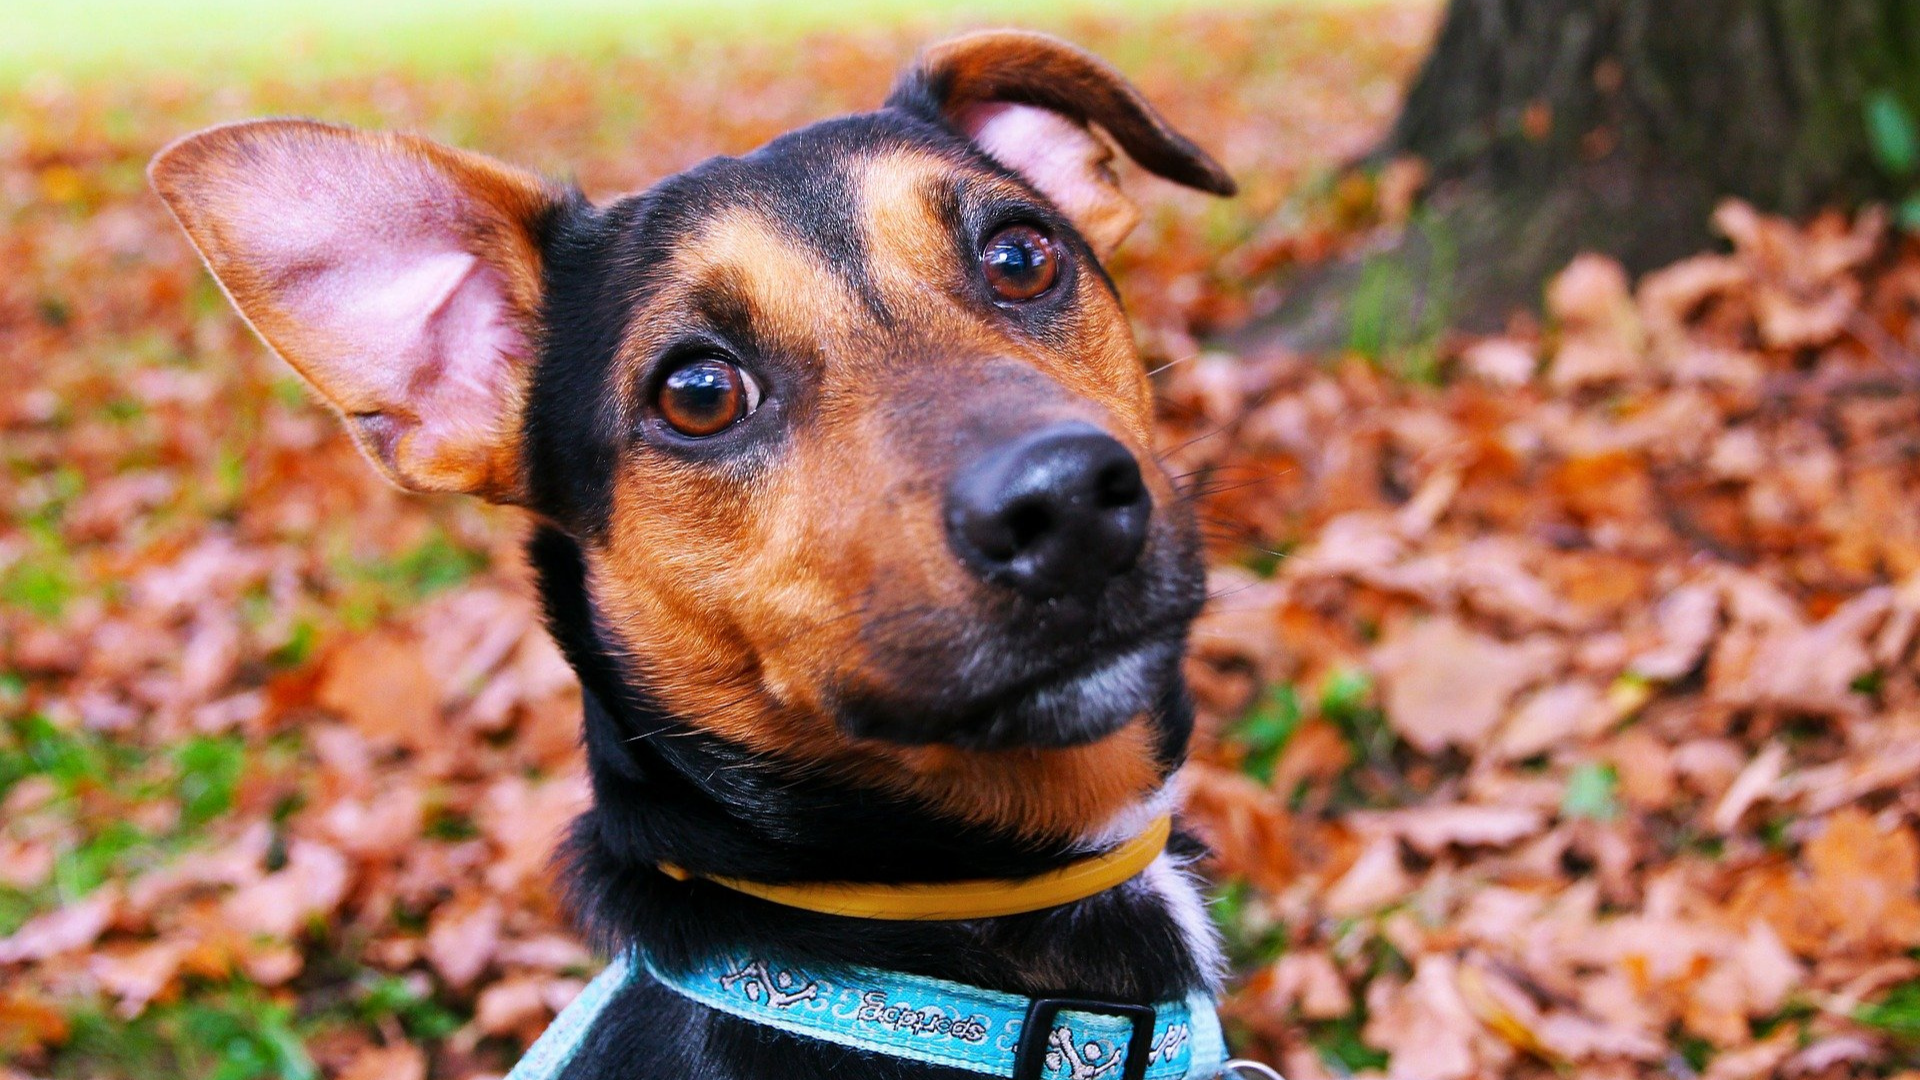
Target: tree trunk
<point>1555,126</point>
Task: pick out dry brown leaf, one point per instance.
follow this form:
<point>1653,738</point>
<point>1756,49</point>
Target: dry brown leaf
<point>1808,668</point>
<point>1432,828</point>
<point>310,886</point>
<point>525,821</point>
<point>138,975</point>
<point>1752,785</point>
<point>1307,981</point>
<point>29,1022</point>
<point>510,1005</point>
<point>1501,1006</point>
<point>462,938</point>
<point>1866,880</point>
<point>1687,618</point>
<point>1424,1024</point>
<point>1671,296</point>
<point>1246,827</point>
<point>401,1061</point>
<point>1571,1037</point>
<point>1601,337</point>
<point>382,686</point>
<point>25,864</point>
<point>1501,361</point>
<point>548,952</point>
<point>62,930</point>
<point>1835,1051</point>
<point>1550,718</point>
<point>378,827</point>
<point>1447,685</point>
<point>1749,1063</point>
<point>1375,880</point>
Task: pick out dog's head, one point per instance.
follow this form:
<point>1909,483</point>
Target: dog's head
<point>850,430</point>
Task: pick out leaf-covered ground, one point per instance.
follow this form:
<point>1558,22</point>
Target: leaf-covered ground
<point>1561,713</point>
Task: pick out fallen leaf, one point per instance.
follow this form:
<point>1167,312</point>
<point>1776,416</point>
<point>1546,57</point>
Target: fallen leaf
<point>1424,1025</point>
<point>29,1022</point>
<point>1375,880</point>
<point>382,686</point>
<point>138,975</point>
<point>310,886</point>
<point>401,1061</point>
<point>62,930</point>
<point>1432,828</point>
<point>1866,880</point>
<point>1446,685</point>
<point>462,937</point>
<point>1753,784</point>
<point>1549,718</point>
<point>1308,982</point>
<point>1687,619</point>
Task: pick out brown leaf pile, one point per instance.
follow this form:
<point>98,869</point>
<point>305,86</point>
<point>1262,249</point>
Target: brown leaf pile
<point>1560,717</point>
<point>1609,708</point>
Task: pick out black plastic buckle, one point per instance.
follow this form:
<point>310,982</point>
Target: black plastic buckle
<point>1030,1060</point>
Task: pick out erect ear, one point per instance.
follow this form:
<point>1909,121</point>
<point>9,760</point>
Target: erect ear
<point>1027,99</point>
<point>400,277</point>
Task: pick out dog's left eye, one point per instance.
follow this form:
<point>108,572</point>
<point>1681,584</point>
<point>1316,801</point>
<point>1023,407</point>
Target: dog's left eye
<point>707,396</point>
<point>1020,262</point>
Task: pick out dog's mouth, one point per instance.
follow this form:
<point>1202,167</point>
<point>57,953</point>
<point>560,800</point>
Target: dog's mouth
<point>1065,705</point>
<point>1008,671</point>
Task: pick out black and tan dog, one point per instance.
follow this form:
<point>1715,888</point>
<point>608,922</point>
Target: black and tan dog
<point>849,520</point>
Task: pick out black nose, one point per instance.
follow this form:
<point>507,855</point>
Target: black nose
<point>1055,512</point>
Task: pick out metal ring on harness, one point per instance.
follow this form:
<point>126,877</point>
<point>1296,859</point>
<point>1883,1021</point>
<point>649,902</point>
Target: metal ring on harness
<point>1255,1068</point>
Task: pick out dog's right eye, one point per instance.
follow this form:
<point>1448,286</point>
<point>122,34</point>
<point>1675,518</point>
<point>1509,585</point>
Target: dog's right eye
<point>1020,263</point>
<point>705,397</point>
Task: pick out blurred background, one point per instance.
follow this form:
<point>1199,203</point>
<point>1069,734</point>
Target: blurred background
<point>1550,392</point>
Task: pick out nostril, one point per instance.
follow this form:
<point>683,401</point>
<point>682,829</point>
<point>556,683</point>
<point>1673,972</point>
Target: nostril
<point>1118,485</point>
<point>1027,522</point>
<point>1057,511</point>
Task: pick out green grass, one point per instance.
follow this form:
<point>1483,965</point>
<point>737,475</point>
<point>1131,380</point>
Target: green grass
<point>96,782</point>
<point>224,38</point>
<point>1897,1014</point>
<point>1592,793</point>
<point>1265,731</point>
<point>233,1032</point>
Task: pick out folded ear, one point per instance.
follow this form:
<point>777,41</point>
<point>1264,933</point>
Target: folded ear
<point>1027,99</point>
<point>400,277</point>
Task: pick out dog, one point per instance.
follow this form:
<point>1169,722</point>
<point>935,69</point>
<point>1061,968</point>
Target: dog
<point>847,517</point>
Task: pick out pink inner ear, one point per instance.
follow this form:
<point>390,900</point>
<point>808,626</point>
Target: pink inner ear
<point>395,274</point>
<point>388,311</point>
<point>1061,159</point>
<point>424,331</point>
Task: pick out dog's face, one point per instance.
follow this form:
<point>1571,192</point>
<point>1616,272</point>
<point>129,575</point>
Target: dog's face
<point>850,430</point>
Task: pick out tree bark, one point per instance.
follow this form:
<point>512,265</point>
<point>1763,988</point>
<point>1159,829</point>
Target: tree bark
<point>1555,126</point>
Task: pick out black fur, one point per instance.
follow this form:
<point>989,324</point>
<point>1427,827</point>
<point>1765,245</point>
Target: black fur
<point>665,791</point>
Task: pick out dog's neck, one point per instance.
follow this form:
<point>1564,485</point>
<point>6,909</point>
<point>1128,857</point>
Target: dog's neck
<point>665,792</point>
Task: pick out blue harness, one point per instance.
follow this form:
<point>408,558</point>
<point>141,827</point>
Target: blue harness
<point>921,1019</point>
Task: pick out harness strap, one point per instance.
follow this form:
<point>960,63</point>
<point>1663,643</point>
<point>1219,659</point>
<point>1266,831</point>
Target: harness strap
<point>547,1058</point>
<point>920,1019</point>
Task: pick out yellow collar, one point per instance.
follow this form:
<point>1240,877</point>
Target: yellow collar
<point>980,899</point>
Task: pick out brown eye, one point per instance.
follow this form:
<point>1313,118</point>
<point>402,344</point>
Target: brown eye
<point>706,397</point>
<point>1020,263</point>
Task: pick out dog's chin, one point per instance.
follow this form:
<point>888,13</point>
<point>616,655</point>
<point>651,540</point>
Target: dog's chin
<point>1083,704</point>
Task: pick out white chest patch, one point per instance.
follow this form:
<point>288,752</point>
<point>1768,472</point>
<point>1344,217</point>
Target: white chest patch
<point>1167,876</point>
